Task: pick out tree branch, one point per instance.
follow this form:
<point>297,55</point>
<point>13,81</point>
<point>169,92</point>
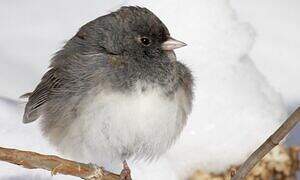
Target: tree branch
<point>268,145</point>
<point>32,160</point>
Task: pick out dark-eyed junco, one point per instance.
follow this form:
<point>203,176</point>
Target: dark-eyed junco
<point>114,91</point>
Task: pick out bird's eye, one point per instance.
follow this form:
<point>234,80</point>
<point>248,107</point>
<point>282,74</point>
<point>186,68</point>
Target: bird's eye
<point>145,41</point>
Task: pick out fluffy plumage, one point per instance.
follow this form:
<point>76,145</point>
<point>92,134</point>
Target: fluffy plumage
<point>108,95</point>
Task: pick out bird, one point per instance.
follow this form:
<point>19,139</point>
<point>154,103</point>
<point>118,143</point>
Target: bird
<point>114,91</point>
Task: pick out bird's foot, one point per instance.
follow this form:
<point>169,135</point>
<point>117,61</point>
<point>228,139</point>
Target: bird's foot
<point>125,173</point>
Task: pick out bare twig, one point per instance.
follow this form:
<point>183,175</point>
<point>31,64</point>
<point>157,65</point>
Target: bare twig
<point>32,160</point>
<point>267,146</point>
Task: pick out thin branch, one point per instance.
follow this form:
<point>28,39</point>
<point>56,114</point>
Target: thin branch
<point>268,145</point>
<point>32,160</point>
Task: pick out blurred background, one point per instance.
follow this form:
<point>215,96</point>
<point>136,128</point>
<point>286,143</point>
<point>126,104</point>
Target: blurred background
<point>245,56</point>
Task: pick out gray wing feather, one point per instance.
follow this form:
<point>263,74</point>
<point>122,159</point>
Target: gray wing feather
<point>65,78</point>
<point>40,95</point>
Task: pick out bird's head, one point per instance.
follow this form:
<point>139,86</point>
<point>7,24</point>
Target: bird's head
<point>133,31</point>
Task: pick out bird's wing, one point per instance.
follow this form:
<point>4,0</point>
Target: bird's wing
<point>50,82</point>
<point>65,78</point>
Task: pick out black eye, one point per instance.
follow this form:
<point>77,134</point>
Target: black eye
<point>145,41</point>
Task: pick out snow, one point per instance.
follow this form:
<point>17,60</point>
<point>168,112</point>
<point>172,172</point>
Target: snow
<point>277,46</point>
<point>233,62</point>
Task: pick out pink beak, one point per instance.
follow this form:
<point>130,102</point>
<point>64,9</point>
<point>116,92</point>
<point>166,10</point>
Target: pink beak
<point>172,44</point>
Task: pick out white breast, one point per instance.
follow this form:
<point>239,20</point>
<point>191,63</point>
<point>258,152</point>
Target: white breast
<point>113,126</point>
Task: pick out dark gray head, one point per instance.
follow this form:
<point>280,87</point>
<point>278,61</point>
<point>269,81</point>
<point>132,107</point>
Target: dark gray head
<point>130,31</point>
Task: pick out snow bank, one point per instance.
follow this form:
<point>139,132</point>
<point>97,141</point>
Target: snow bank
<point>277,47</point>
